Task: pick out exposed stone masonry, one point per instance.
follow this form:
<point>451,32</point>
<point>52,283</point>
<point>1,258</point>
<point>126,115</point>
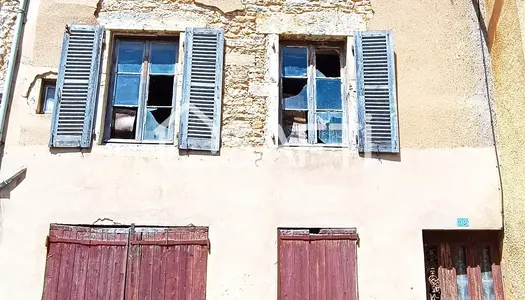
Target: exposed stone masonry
<point>246,24</point>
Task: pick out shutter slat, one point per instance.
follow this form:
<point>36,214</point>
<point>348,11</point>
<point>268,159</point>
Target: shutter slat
<point>77,87</point>
<point>202,90</point>
<point>377,111</point>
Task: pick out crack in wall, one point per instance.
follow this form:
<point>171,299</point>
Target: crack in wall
<point>35,79</point>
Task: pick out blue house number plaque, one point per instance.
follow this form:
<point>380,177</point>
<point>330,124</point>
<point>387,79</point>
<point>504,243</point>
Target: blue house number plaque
<point>463,222</point>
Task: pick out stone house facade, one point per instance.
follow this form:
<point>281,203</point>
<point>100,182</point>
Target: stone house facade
<point>282,187</point>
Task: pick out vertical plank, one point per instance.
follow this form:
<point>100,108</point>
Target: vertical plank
<point>349,258</point>
<point>80,267</point>
<point>199,254</point>
<point>173,267</point>
<point>318,276</point>
<point>65,276</point>
<point>496,271</point>
<point>473,272</point>
<point>146,269</point>
<point>334,269</point>
<point>93,272</point>
<point>158,280</point>
<point>184,270</point>
<point>119,265</point>
<point>52,268</point>
<point>447,273</point>
<point>133,268</point>
<point>110,265</point>
<point>103,285</point>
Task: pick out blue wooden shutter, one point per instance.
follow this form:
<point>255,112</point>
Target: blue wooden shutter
<point>200,126</point>
<point>376,92</point>
<point>77,87</point>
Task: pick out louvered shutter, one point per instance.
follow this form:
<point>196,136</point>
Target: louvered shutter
<point>77,87</point>
<point>202,90</point>
<point>376,92</point>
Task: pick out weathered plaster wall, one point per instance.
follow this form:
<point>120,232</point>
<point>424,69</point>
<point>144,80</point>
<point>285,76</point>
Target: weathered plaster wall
<point>8,10</point>
<point>506,28</point>
<point>244,196</point>
<point>447,167</point>
<point>440,72</point>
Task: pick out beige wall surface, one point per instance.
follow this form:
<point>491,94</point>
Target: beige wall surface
<point>244,199</point>
<point>447,167</point>
<point>506,27</point>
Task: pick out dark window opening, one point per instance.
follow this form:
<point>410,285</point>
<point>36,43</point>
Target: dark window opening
<point>295,95</point>
<point>328,63</point>
<point>160,90</point>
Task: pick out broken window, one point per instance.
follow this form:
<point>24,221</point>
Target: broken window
<point>47,97</point>
<point>463,265</point>
<point>311,101</point>
<point>143,90</point>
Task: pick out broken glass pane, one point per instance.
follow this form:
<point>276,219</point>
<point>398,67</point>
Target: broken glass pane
<point>124,123</point>
<point>157,124</point>
<point>127,90</point>
<point>327,63</point>
<point>459,259</point>
<point>330,127</point>
<point>487,281</point>
<point>295,127</point>
<point>295,94</point>
<point>160,91</point>
<point>130,57</point>
<point>295,61</point>
<point>328,93</point>
<point>163,58</point>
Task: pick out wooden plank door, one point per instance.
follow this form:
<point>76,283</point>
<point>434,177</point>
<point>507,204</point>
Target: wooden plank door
<point>167,264</point>
<point>85,263</point>
<point>317,264</point>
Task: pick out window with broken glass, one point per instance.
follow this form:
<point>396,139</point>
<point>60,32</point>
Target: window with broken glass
<point>142,91</point>
<point>312,110</point>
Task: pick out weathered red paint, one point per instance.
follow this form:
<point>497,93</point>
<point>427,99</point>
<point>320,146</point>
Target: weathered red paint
<point>100,263</point>
<point>474,273</point>
<point>317,266</point>
<point>473,241</point>
<point>167,264</point>
<point>79,270</point>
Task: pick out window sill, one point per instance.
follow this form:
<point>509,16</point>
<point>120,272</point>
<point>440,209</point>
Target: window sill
<point>316,146</point>
<point>137,142</point>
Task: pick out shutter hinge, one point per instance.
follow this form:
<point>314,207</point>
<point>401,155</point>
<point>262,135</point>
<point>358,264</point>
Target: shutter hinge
<point>68,29</point>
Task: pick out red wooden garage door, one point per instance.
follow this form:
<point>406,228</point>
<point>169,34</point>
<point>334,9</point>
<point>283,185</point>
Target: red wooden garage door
<point>131,263</point>
<point>317,264</point>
